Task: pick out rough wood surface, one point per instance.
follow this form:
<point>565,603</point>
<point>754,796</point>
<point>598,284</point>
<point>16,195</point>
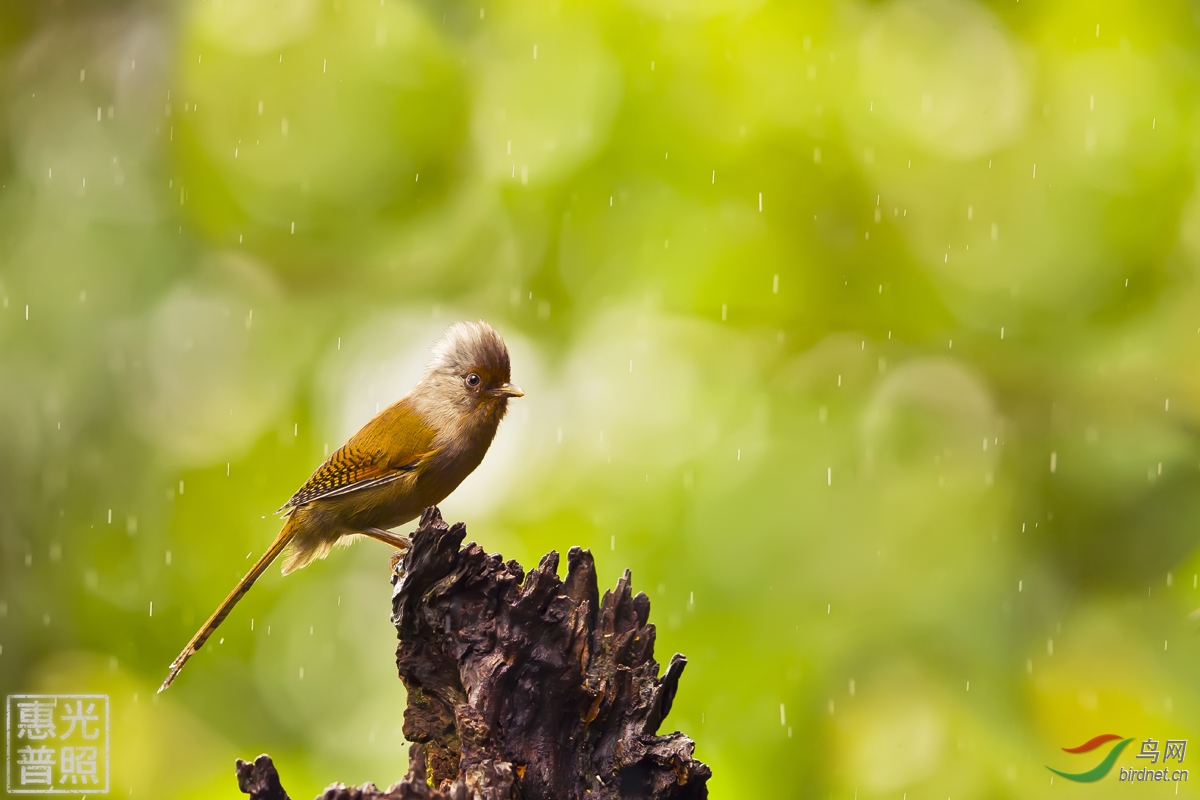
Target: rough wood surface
<point>522,685</point>
<point>260,780</point>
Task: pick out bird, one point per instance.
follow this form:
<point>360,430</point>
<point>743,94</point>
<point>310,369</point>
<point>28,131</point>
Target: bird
<point>408,457</point>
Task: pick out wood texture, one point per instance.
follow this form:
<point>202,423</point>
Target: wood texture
<point>523,685</point>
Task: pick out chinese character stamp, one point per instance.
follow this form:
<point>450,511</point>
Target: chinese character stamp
<point>57,744</point>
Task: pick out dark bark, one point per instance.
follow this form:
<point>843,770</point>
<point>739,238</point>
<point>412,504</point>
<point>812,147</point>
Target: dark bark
<point>260,780</point>
<point>523,685</point>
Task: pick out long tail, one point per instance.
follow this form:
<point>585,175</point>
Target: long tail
<point>229,602</point>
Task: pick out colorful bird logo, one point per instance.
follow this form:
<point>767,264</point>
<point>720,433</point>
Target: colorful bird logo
<point>1100,770</point>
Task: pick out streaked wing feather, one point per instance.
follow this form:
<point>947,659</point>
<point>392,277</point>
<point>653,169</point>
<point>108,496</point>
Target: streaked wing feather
<point>344,470</point>
<point>350,487</point>
<point>362,464</point>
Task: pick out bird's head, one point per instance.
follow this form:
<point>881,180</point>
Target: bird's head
<point>469,372</point>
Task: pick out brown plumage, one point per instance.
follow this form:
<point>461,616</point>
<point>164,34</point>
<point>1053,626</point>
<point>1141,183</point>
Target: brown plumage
<point>409,457</point>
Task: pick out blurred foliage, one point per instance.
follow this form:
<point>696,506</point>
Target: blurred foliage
<point>864,333</point>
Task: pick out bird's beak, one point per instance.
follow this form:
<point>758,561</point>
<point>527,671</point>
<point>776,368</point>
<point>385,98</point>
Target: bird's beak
<point>509,390</point>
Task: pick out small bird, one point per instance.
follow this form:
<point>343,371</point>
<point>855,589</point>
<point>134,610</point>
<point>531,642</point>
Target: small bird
<point>409,457</point>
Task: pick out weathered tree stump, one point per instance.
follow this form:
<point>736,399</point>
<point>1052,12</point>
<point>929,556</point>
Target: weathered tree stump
<point>522,685</point>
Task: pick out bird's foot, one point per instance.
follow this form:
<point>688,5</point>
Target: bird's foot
<point>396,564</point>
<point>401,543</point>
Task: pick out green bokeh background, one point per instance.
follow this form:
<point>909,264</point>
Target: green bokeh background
<point>866,334</point>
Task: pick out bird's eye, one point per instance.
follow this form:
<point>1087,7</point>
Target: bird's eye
<point>472,380</point>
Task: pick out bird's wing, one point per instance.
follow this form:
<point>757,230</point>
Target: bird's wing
<point>388,447</point>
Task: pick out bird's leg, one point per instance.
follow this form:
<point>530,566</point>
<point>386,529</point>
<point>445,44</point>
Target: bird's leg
<point>401,543</point>
<point>387,537</point>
